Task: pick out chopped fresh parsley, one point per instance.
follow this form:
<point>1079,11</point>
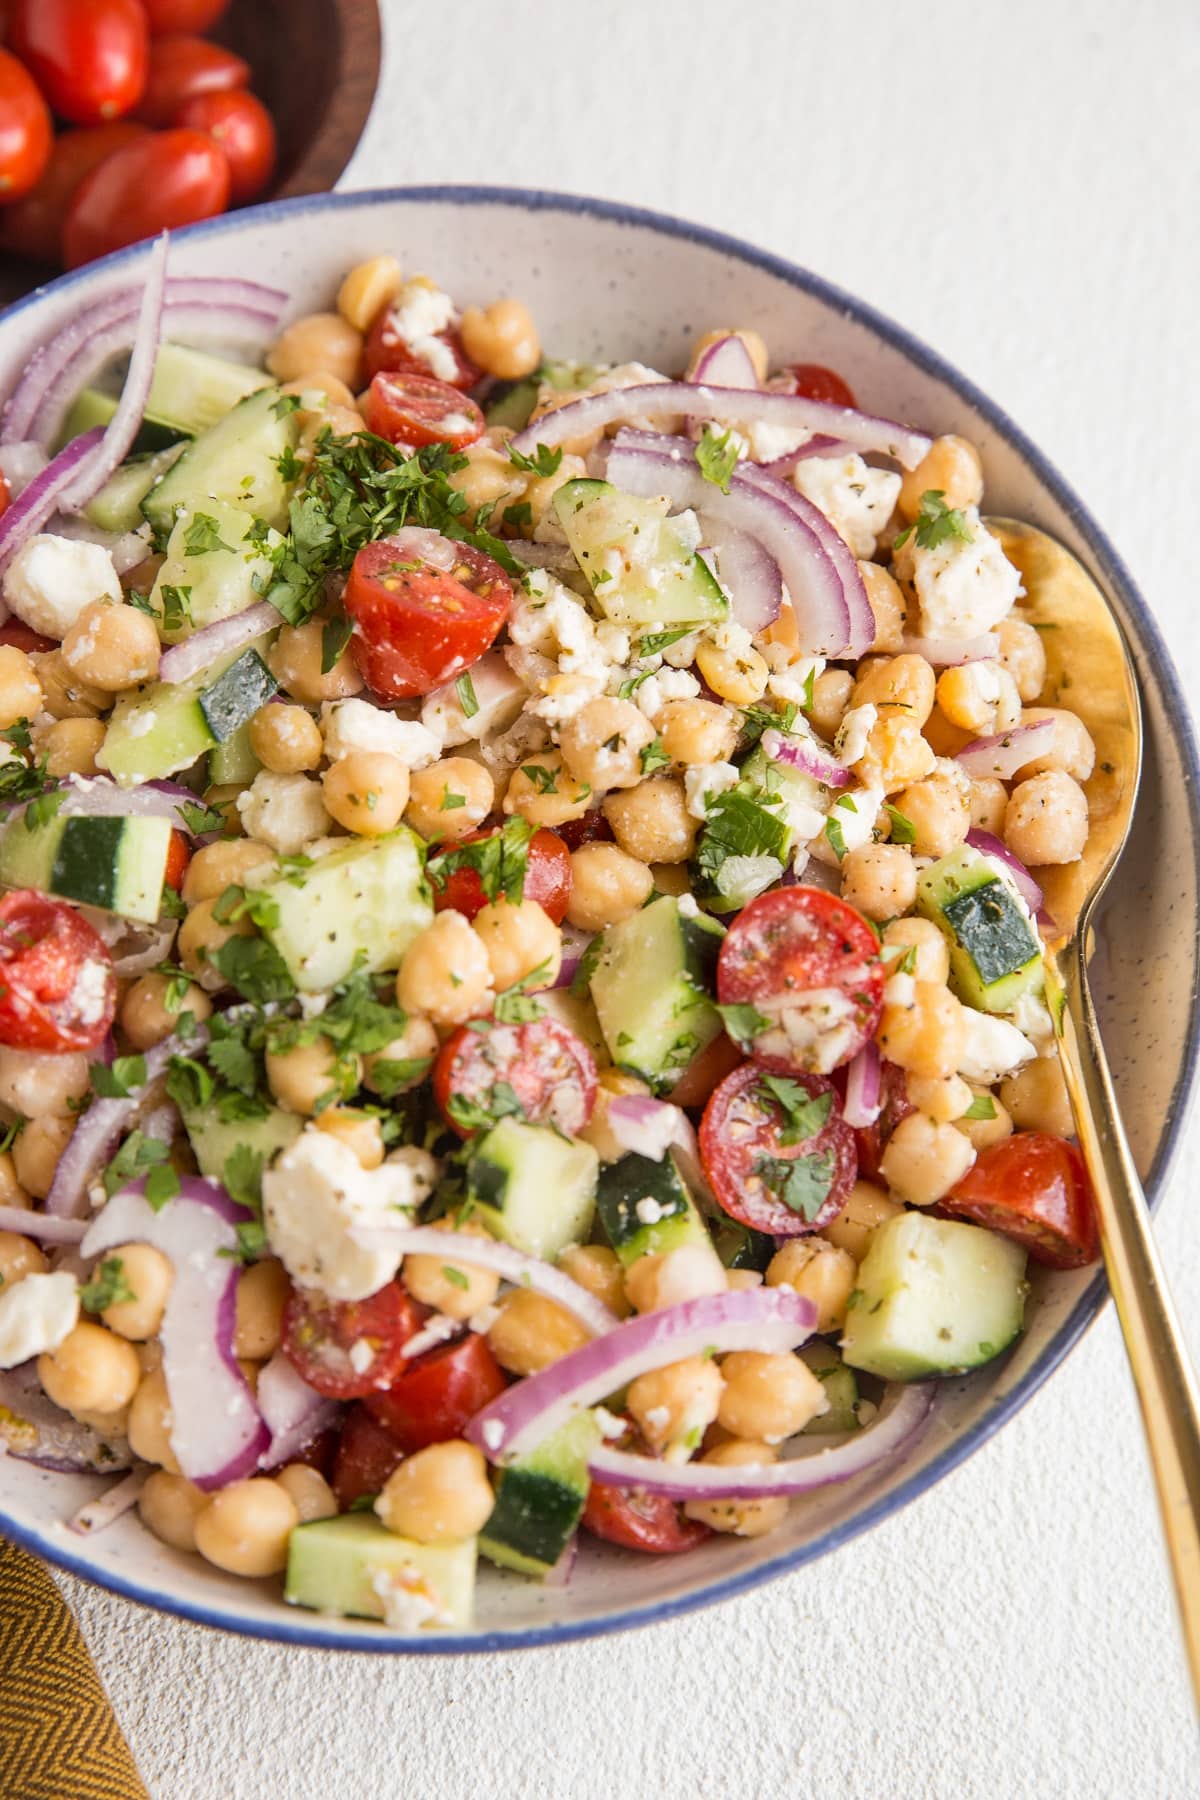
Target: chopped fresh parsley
<point>39,812</point>
<point>981,1107</point>
<point>801,1182</point>
<point>255,968</point>
<point>137,1155</point>
<point>473,1115</point>
<point>499,861</point>
<point>544,461</point>
<point>286,403</point>
<point>804,1114</point>
<point>582,978</point>
<point>765,715</point>
<point>936,522</point>
<point>743,1022</point>
<point>242,1174</point>
<point>455,1277</point>
<point>652,757</point>
<point>392,1074</point>
<point>631,685</point>
<point>655,642</point>
<point>515,1005</point>
<point>742,821</point>
<point>108,1287</point>
<point>114,1081</point>
<point>517,516</point>
<point>201,819</point>
<point>236,903</point>
<point>176,607</point>
<point>544,780</point>
<point>334,639</point>
<point>903,829</point>
<point>716,456</point>
<point>251,1241</point>
<point>836,836</point>
<point>451,802</point>
<point>464,687</point>
<point>203,535</point>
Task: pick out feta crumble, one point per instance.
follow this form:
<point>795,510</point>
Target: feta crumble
<point>963,587</point>
<point>285,812</point>
<point>316,1195</point>
<point>36,1314</point>
<point>51,579</point>
<point>855,498</point>
<point>350,725</point>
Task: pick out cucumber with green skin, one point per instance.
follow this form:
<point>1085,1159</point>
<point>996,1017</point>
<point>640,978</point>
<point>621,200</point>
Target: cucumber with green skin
<point>340,1566</point>
<point>642,568</point>
<point>669,1221</point>
<point>652,987</point>
<point>357,907</point>
<point>240,460</point>
<point>116,864</point>
<point>540,1500</point>
<point>159,729</point>
<point>117,506</point>
<point>533,1188</point>
<point>995,955</point>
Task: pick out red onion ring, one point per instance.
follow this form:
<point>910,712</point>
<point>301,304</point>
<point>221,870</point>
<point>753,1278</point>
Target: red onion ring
<point>864,1091</point>
<point>645,1126</point>
<point>1008,751</point>
<point>751,575</point>
<point>42,498</point>
<point>725,363</point>
<point>1023,881</point>
<point>204,647</point>
<point>952,653</point>
<point>121,1498</point>
<point>19,464</point>
<point>44,1226</point>
<point>35,1431</point>
<point>293,1412</point>
<point>806,755</point>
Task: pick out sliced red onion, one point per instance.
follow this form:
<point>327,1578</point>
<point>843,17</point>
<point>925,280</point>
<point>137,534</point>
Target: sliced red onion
<point>751,575</point>
<point>821,445</point>
<point>19,465</point>
<point>293,1412</point>
<point>34,1430</point>
<point>726,406</point>
<point>854,590</point>
<point>486,1253</point>
<point>204,647</point>
<point>1023,881</point>
<point>574,944</point>
<point>806,755</point>
<point>725,363</point>
<point>43,497</point>
<point>42,1226</point>
<point>1009,751</point>
<point>218,1434</point>
<point>111,1506</point>
<point>97,797</point>
<point>864,1092</point>
<point>767,1319</point>
<point>126,548</point>
<point>644,1126</point>
<point>557,558</point>
<point>952,653</point>
<point>901,1417</point>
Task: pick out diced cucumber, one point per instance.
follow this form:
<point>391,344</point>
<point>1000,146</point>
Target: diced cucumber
<point>741,1248</point>
<point>643,567</point>
<point>514,406</point>
<point>232,699</point>
<point>218,582</point>
<point>934,1297</point>
<point>214,1140</point>
<point>354,908</point>
<point>347,1566</point>
<point>237,461</point>
<point>93,407</point>
<point>233,763</point>
<point>841,1390</point>
<point>668,1217</point>
<point>540,1499</point>
<point>652,988</point>
<point>113,863</point>
<point>159,729</point>
<point>118,504</point>
<point>533,1188</point>
<point>193,390</point>
<point>577,1013</point>
<point>995,956</point>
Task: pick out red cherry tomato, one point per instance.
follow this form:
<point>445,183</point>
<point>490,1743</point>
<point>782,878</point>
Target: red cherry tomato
<point>319,1335</point>
<point>386,349</point>
<point>547,877</point>
<point>17,633</point>
<point>872,1140</point>
<point>33,227</point>
<point>57,988</point>
<point>416,409</point>
<point>550,1070</point>
<point>590,828</point>
<point>816,382</point>
<point>702,1074</point>
<point>810,966</point>
<point>439,1393</point>
<point>367,1453</point>
<point>88,57</point>
<point>417,626</point>
<point>243,129</point>
<point>182,67</point>
<point>179,855</point>
<point>26,132</point>
<point>198,16</point>
<point>637,1520</point>
<point>159,182</point>
<point>1033,1187</point>
<point>5,503</point>
<point>748,1159</point>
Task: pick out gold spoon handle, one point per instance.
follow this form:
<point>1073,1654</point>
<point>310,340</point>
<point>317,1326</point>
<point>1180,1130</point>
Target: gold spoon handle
<point>1162,1370</point>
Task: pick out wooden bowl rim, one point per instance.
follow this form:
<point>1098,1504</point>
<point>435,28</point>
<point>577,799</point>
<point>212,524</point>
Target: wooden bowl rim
<point>344,121</point>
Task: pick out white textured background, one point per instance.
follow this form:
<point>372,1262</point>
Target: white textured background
<point>1014,180</point>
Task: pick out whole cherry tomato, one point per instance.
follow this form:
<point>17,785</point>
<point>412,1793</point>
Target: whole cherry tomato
<point>416,409</point>
<point>637,1520</point>
<point>320,1338</point>
<point>551,1072</point>
<point>87,56</point>
<point>157,183</point>
<point>1032,1187</point>
<point>778,1154</point>
<point>816,382</point>
<point>26,133</point>
<point>458,887</point>
<point>33,227</point>
<point>182,15</point>
<point>437,1394</point>
<point>20,635</point>
<point>243,128</point>
<point>57,988</point>
<point>366,1455</point>
<point>419,624</point>
<point>182,67</point>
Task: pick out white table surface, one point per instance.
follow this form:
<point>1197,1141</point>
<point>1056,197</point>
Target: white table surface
<point>1014,180</point>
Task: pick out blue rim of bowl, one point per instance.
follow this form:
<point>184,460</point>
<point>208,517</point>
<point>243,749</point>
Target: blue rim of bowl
<point>1149,642</point>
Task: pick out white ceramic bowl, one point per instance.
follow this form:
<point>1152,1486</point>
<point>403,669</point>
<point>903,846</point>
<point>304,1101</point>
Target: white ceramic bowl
<point>611,283</point>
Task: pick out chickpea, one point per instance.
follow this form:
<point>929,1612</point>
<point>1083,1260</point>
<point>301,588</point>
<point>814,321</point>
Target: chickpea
<point>309,1491</point>
<point>688,1273</point>
<point>941,1097</point>
<point>1072,751</point>
<point>768,1396</point>
<point>19,1256</point>
<point>200,938</point>
<point>71,746</point>
<point>831,693</point>
<point>92,1370</point>
<point>607,885</point>
<point>295,659</point>
<point>342,421</point>
<point>445,972</point>
<point>1023,654</point>
<point>1046,819</point>
<point>367,289</point>
<point>739,676</point>
<point>302,1076</point>
<point>64,695</point>
<point>451,1283</point>
<point>169,1506</point>
<point>11,1191</point>
<point>39,1083</point>
<point>866,1208</point>
<point>1036,1097</point>
<point>651,822</point>
<point>598,1133</point>
<point>503,340</point>
<point>112,646</point>
<point>931,960</point>
<point>37,1151</point>
<point>928,1035</point>
<point>939,811</point>
<point>317,341</point>
<point>886,600</point>
<point>697,731</point>
<point>598,1269</point>
<point>489,478</point>
<point>743,1518</point>
<point>550,795</point>
<point>951,467</point>
<point>896,754</point>
<point>541,489</point>
<point>20,689</point>
<point>319,391</point>
<point>450,798</point>
<point>360,1131</point>
<point>367,792</point>
<point>148,1275</point>
<point>818,1270</point>
<point>438,1496</point>
<point>146,1018</point>
<point>246,1527</point>
<point>898,683</point>
<point>981,1134</point>
<point>262,1294</point>
<point>674,1406</point>
<point>988,799</point>
<point>979,697</point>
<point>602,744</point>
<point>227,863</point>
<point>753,341</point>
<point>150,1423</point>
<point>533,1332</point>
<point>518,939</point>
<point>417,1044</point>
<point>943,738</point>
<point>286,739</point>
<point>879,879</point>
<point>923,1160</point>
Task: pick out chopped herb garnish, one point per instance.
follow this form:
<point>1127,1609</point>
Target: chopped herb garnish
<point>804,1114</point>
<point>455,1277</point>
<point>464,687</point>
<point>242,1174</point>
<point>743,1022</point>
<point>255,968</point>
<point>39,812</point>
<point>836,836</point>
<point>716,456</point>
<point>802,1182</point>
<point>936,522</point>
<point>544,461</point>
<point>115,1080</point>
<point>201,819</point>
<point>981,1107</point>
<point>652,757</point>
<point>334,639</point>
<point>903,829</point>
<point>108,1287</point>
<point>176,606</point>
<point>203,535</point>
<point>499,860</point>
<point>655,642</point>
<point>544,780</point>
<point>137,1155</point>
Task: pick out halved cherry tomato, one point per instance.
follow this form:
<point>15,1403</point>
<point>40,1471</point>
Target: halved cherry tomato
<point>637,1520</point>
<point>590,828</point>
<point>547,877</point>
<point>57,988</point>
<point>816,382</point>
<point>182,15</point>
<point>386,349</point>
<point>179,855</point>
<point>26,132</point>
<point>439,1393</point>
<point>418,626</point>
<point>87,56</point>
<point>416,409</point>
<point>872,1140</point>
<point>180,67</point>
<point>551,1072</point>
<point>158,183</point>
<point>243,128</point>
<point>319,1336</point>
<point>809,965</point>
<point>5,503</point>
<point>367,1453</point>
<point>1032,1187</point>
<point>33,227</point>
<point>22,637</point>
<point>703,1073</point>
<point>749,1161</point>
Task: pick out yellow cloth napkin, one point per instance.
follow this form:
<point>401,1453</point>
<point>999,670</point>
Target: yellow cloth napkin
<point>59,1737</point>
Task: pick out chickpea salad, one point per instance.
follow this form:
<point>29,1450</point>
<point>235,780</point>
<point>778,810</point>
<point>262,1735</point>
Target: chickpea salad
<point>522,1008</point>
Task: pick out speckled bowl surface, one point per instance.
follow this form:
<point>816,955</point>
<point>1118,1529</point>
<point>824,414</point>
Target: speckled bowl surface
<point>611,283</point>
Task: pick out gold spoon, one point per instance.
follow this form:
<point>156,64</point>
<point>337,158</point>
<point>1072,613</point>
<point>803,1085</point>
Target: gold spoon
<point>1089,669</point>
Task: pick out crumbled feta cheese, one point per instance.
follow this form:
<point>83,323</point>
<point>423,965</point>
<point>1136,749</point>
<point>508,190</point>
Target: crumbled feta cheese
<point>733,639</point>
<point>856,499</point>
<point>90,995</point>
<point>817,1029</point>
<point>610,1425</point>
<point>36,1314</point>
<point>499,697</point>
<point>687,906</point>
<point>963,588</point>
<point>792,683</point>
<point>856,810</point>
<point>900,990</point>
<point>360,1356</point>
<point>992,1047</point>
<point>653,694</point>
<point>648,1210</point>
<point>419,312</point>
<point>315,1196</point>
<point>1031,1016</point>
<point>410,1603</point>
<point>658,1418</point>
<point>492,1433</point>
<point>350,725</point>
<point>51,579</point>
<point>769,441</point>
<point>423,1170</point>
<point>702,782</point>
<point>283,811</point>
<point>850,744</point>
